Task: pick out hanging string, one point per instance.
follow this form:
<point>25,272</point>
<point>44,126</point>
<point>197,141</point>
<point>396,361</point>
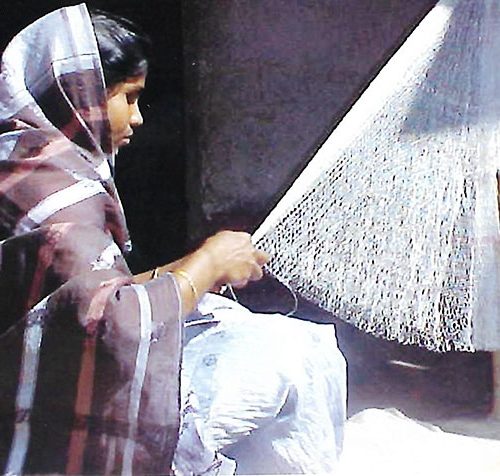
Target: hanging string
<point>232,294</point>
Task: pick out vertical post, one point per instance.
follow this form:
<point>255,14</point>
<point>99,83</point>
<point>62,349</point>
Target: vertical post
<point>495,411</point>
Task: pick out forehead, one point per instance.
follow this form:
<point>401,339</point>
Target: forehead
<point>133,84</point>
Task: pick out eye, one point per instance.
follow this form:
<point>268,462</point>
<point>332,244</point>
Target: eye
<point>132,98</point>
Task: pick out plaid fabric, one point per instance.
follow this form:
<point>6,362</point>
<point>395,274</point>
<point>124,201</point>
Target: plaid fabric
<point>89,363</point>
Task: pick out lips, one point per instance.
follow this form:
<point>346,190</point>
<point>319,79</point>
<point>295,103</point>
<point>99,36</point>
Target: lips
<point>124,138</point>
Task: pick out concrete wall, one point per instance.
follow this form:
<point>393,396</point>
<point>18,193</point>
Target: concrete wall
<point>265,80</point>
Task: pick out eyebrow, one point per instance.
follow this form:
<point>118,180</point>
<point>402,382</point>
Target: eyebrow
<point>134,87</point>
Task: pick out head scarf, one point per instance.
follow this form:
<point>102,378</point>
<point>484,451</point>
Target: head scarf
<point>53,121</point>
<point>79,344</point>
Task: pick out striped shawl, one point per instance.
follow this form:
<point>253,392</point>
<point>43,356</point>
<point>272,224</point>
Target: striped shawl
<point>89,362</point>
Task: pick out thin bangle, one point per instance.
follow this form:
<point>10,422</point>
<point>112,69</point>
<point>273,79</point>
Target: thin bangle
<point>155,273</point>
<point>189,279</point>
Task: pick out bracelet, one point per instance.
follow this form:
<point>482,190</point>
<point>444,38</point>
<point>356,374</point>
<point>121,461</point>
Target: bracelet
<point>155,273</point>
<point>189,279</point>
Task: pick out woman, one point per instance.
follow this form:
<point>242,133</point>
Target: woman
<point>91,355</point>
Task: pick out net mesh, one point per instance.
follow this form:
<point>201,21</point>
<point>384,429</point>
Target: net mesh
<point>393,225</point>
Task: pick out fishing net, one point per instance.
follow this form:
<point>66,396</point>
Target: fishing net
<point>393,225</point>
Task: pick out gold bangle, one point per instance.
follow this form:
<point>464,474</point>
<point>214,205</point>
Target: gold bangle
<point>189,279</point>
<point>155,273</point>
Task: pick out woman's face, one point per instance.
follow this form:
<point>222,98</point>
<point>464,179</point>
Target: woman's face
<point>123,110</point>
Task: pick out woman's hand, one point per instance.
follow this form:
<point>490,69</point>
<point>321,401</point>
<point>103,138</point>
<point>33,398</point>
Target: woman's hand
<point>228,257</point>
<point>234,258</point>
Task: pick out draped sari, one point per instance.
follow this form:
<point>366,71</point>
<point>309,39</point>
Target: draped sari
<point>89,361</point>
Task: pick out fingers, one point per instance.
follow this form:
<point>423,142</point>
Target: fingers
<point>261,257</point>
<point>256,273</point>
<point>235,259</point>
<point>239,285</point>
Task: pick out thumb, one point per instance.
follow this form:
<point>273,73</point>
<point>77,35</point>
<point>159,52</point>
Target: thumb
<point>261,257</point>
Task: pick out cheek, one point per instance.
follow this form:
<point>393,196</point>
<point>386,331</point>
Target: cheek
<point>117,114</point>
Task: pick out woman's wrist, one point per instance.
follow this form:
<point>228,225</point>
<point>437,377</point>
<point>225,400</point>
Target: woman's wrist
<point>195,275</point>
<point>181,273</point>
<point>213,261</point>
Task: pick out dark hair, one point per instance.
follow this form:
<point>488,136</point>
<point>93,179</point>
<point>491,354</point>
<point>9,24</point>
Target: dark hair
<point>123,47</point>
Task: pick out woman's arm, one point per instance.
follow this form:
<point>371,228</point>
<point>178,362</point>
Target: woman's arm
<point>226,258</point>
<point>146,276</point>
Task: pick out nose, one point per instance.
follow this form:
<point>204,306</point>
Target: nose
<point>136,119</point>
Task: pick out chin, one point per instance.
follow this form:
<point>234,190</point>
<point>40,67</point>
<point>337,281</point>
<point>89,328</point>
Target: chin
<point>121,145</point>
